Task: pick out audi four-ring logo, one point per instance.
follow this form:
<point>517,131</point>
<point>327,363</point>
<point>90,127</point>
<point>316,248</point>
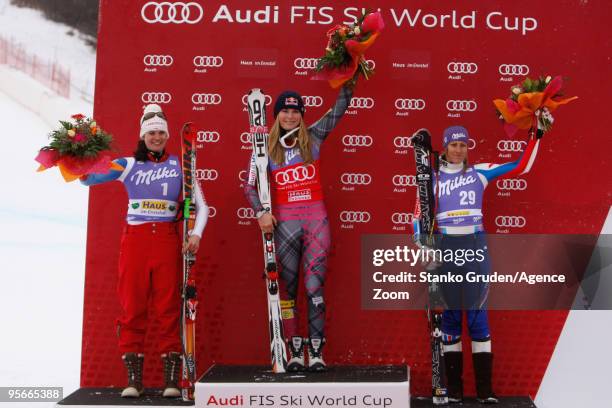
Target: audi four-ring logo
<point>207,174</point>
<point>312,101</point>
<point>404,180</point>
<point>207,61</point>
<point>409,104</point>
<point>462,67</point>
<point>355,216</point>
<point>357,140</point>
<point>362,179</point>
<point>305,63</point>
<point>212,211</point>
<point>401,218</point>
<point>371,64</point>
<point>156,97</point>
<point>511,145</point>
<point>471,144</point>
<point>246,138</point>
<point>512,184</point>
<point>166,12</point>
<point>402,142</point>
<point>242,175</point>
<point>300,173</point>
<point>208,136</point>
<point>362,103</point>
<point>245,213</point>
<point>461,106</point>
<point>516,221</point>
<point>245,101</point>
<point>158,60</point>
<point>513,69</point>
<point>206,99</point>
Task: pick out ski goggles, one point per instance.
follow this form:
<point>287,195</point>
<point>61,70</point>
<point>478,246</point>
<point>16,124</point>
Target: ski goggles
<point>150,115</point>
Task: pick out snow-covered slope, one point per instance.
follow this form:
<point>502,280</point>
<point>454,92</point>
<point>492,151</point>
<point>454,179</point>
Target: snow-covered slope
<point>43,219</point>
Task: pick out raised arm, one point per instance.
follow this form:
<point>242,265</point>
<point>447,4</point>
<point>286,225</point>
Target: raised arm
<point>112,175</point>
<point>321,128</point>
<point>491,171</point>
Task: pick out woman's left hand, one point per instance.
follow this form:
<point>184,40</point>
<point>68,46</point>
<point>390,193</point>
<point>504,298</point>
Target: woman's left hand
<point>192,245</point>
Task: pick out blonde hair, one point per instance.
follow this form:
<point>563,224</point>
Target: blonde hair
<point>277,151</point>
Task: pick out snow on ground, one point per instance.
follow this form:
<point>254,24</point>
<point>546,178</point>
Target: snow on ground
<point>51,42</point>
<point>42,218</point>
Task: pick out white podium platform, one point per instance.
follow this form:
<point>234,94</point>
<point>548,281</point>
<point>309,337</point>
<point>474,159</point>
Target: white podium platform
<point>339,387</point>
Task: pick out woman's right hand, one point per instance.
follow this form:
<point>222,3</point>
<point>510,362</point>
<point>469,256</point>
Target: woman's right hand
<point>267,222</point>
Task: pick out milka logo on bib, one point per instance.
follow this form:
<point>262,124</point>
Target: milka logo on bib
<point>147,177</point>
<point>291,154</point>
<point>447,187</point>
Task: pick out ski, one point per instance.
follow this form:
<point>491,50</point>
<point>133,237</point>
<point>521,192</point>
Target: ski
<point>424,156</point>
<point>259,134</point>
<point>189,294</point>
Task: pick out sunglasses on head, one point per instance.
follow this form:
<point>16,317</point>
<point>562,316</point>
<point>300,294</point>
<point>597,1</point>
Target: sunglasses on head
<point>149,115</point>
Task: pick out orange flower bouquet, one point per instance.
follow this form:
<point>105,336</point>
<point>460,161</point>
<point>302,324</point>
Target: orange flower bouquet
<point>78,149</point>
<point>530,105</point>
<point>346,46</point>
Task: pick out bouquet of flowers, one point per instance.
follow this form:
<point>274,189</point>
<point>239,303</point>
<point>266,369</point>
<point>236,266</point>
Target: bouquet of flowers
<point>530,105</point>
<point>78,149</point>
<point>346,45</point>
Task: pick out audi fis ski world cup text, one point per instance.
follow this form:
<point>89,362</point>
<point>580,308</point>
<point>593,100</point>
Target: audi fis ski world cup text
<point>164,12</point>
<point>300,400</point>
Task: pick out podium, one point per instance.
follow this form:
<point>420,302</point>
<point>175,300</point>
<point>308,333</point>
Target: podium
<point>339,387</point>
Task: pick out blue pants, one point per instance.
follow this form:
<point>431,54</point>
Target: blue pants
<point>467,296</point>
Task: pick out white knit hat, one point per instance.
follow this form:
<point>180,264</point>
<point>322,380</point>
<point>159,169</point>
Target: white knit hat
<point>154,122</point>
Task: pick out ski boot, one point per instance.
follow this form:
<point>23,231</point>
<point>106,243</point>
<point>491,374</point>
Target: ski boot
<point>315,354</point>
<point>296,350</point>
<point>453,361</point>
<point>133,362</point>
<point>483,372</point>
<point>172,371</point>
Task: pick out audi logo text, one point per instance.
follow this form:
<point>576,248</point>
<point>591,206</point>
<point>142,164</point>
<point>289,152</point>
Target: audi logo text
<point>462,67</point>
<point>512,184</point>
<point>312,101</point>
<point>355,216</point>
<point>207,174</point>
<point>461,106</point>
<point>402,142</point>
<point>362,179</point>
<point>409,104</point>
<point>404,180</point>
<point>166,12</point>
<point>401,218</point>
<point>206,99</point>
<point>361,103</point>
<point>245,213</point>
<point>156,97</point>
<point>305,63</point>
<point>511,145</point>
<point>158,60</point>
<point>207,61</point>
<point>207,136</point>
<point>357,140</point>
<point>300,173</point>
<point>515,221</point>
<point>513,69</point>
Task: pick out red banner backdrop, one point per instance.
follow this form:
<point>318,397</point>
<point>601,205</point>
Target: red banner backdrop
<point>437,64</point>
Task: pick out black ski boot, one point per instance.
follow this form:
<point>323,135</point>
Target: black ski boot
<point>453,361</point>
<point>172,372</point>
<point>315,354</point>
<point>133,362</point>
<point>296,350</point>
<point>483,372</point>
